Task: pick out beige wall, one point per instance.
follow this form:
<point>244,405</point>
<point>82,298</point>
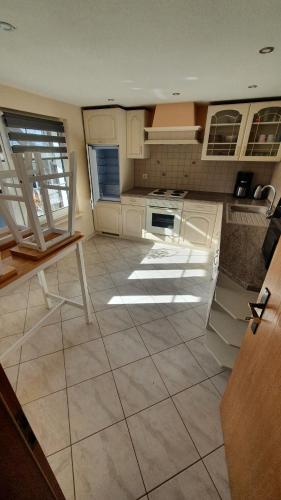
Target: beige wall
<point>24,101</point>
<point>276,181</point>
<point>180,166</point>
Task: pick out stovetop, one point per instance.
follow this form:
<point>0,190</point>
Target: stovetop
<point>168,193</point>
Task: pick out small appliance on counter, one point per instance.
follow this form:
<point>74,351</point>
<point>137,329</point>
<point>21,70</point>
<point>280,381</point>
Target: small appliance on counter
<point>257,195</point>
<point>243,184</point>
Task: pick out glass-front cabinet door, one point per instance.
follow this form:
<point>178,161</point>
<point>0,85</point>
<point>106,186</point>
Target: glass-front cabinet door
<point>262,138</point>
<point>225,126</point>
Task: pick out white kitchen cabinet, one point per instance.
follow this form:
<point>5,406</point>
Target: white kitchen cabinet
<point>197,228</point>
<point>224,131</point>
<point>107,217</point>
<point>136,121</point>
<point>244,132</point>
<point>133,221</point>
<point>262,137</point>
<point>104,125</point>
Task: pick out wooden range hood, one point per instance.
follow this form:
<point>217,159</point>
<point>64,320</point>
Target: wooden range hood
<point>174,124</point>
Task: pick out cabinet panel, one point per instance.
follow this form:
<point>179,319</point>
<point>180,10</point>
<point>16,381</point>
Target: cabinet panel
<point>102,126</point>
<point>225,126</point>
<point>262,138</point>
<point>136,121</point>
<point>107,217</point>
<point>197,228</point>
<point>133,221</point>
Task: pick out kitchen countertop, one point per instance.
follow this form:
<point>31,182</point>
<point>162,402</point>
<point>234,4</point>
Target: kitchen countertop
<point>200,196</point>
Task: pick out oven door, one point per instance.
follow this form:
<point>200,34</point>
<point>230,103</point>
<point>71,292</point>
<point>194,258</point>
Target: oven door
<point>165,221</point>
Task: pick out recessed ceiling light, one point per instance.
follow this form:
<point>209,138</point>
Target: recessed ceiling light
<point>190,78</point>
<point>266,50</point>
<point>176,93</point>
<point>252,86</point>
<point>110,99</point>
<point>6,26</point>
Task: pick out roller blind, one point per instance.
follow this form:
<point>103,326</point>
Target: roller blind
<point>35,134</point>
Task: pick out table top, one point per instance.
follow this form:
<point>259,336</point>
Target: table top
<point>27,268</point>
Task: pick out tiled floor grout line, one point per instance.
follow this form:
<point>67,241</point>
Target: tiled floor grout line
<point>206,468</point>
<point>25,320</point>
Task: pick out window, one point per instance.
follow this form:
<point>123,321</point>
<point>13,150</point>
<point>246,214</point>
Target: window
<point>22,133</point>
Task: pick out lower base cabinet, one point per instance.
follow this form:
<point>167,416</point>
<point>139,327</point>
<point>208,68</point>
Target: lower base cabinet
<point>197,228</point>
<point>133,221</point>
<point>107,217</point>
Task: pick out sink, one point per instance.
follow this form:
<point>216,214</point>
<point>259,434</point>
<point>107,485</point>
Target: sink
<point>248,215</point>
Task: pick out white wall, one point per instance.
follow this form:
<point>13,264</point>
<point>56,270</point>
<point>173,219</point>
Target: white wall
<point>20,100</point>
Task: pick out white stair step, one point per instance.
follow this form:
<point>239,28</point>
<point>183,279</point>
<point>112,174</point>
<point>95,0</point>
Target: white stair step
<point>223,353</point>
<point>229,329</point>
<point>235,302</point>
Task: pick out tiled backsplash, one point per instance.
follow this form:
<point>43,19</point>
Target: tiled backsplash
<point>180,166</point>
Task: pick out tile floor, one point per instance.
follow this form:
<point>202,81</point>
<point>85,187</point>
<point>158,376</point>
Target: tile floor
<point>127,407</point>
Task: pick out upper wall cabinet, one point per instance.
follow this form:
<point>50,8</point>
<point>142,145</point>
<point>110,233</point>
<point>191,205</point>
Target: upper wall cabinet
<point>246,132</point>
<point>262,137</point>
<point>137,120</point>
<point>225,126</point>
<point>104,126</point>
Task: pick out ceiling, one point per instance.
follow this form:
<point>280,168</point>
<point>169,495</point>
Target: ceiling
<point>139,52</point>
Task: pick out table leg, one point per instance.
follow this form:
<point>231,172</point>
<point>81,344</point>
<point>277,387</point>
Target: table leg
<point>83,282</point>
<point>44,287</point>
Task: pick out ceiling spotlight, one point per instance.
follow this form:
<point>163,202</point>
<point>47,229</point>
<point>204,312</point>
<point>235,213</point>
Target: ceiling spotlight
<point>252,86</point>
<point>191,78</point>
<point>266,50</point>
<point>176,93</point>
<point>110,99</point>
<point>6,26</point>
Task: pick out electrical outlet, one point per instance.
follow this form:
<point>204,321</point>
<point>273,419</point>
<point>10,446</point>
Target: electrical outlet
<point>145,176</point>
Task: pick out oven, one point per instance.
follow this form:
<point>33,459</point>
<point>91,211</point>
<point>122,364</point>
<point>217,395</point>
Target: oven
<point>165,219</point>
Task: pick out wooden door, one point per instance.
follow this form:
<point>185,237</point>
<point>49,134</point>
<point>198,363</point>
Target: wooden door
<point>224,130</point>
<point>25,472</point>
<point>133,221</point>
<point>262,137</point>
<point>251,406</point>
<point>197,228</point>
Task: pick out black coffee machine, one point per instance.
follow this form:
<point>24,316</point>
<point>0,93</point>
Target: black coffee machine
<point>243,184</point>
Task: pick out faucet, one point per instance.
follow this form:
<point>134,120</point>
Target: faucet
<point>269,211</point>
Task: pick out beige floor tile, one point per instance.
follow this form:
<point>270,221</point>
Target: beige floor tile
<point>61,465</point>
<point>199,408</point>
<point>142,313</point>
<point>40,377</point>
<point>221,380</point>
<point>188,324</point>
<point>76,331</point>
<point>98,283</point>
<point>12,303</point>
<point>114,320</point>
<point>68,311</point>
<point>12,323</point>
<point>85,361</point>
<point>36,297</point>
<point>178,368</point>
<point>105,466</point>
<point>191,484</point>
<point>203,356</point>
<point>139,386</point>
<point>12,374</point>
<point>216,465</point>
<point>48,417</point>
<point>46,341</point>
<point>158,335</point>
<point>106,299</point>
<point>34,314</point>
<point>124,347</point>
<point>93,405</point>
<point>70,289</point>
<point>161,441</point>
<point>14,357</point>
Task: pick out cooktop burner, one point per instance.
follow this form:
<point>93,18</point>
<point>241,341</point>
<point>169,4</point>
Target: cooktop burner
<point>169,193</point>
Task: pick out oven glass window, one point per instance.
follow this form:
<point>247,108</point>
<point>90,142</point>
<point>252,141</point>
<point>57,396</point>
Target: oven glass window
<point>163,220</point>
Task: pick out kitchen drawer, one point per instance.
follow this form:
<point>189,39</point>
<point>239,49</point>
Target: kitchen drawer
<point>203,206</point>
<point>133,200</point>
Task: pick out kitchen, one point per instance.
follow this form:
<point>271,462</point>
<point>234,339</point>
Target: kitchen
<point>178,197</point>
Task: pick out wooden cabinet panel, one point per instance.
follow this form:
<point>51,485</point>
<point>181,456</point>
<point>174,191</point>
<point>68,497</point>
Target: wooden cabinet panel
<point>136,121</point>
<point>102,126</point>
<point>133,221</point>
<point>107,217</point>
<point>197,228</point>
